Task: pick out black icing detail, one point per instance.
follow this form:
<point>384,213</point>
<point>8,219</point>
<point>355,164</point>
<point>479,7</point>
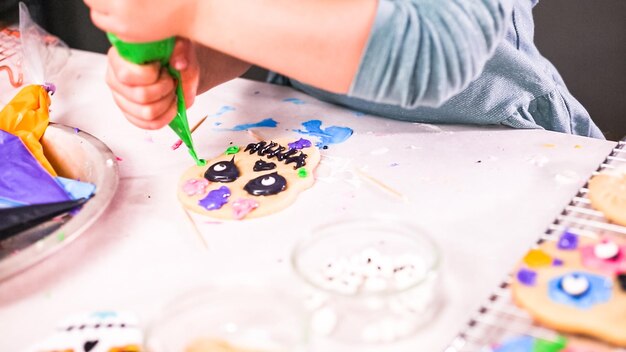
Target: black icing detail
<point>262,165</point>
<point>222,171</point>
<point>266,185</point>
<point>274,150</point>
<point>90,345</point>
<point>621,279</point>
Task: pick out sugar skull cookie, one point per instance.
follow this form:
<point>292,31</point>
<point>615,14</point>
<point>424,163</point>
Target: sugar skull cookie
<point>607,193</point>
<point>576,285</point>
<point>250,181</point>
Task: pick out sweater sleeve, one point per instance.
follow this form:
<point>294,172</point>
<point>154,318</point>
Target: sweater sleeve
<point>422,52</point>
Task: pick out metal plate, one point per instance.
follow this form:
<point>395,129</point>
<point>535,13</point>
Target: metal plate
<point>77,155</point>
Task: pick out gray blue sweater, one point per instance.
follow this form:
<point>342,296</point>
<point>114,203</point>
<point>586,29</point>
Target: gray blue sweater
<point>459,61</point>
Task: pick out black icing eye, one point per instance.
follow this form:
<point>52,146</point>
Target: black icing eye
<point>262,165</point>
<point>222,171</point>
<point>266,185</point>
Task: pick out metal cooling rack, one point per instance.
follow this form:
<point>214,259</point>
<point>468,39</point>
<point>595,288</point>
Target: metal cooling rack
<point>499,319</point>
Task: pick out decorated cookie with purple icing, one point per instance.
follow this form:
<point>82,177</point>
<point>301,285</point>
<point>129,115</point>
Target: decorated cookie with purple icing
<point>574,285</point>
<point>252,180</point>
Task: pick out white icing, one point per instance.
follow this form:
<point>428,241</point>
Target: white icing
<point>268,181</point>
<point>574,284</point>
<point>606,250</point>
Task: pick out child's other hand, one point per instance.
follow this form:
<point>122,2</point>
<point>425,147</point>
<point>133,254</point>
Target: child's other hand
<point>143,20</point>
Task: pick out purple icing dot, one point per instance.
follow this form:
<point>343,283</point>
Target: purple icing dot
<point>568,241</point>
<point>557,262</point>
<point>300,144</point>
<point>50,88</point>
<point>215,199</point>
<point>527,277</point>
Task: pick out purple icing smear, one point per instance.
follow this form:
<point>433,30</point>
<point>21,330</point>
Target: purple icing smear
<point>557,262</point>
<point>50,88</point>
<point>215,199</point>
<point>527,277</point>
<point>300,144</point>
<point>568,241</point>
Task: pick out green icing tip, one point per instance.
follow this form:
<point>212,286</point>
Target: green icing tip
<point>541,345</point>
<point>233,149</point>
<point>61,236</point>
<point>302,173</point>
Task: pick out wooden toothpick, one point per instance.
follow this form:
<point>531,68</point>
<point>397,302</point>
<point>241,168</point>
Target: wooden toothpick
<point>256,135</point>
<point>195,228</point>
<point>381,185</point>
<point>195,127</point>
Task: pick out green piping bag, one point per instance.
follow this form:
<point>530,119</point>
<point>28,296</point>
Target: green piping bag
<point>161,51</point>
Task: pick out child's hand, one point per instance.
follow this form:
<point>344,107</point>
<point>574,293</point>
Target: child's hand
<point>143,20</point>
<point>146,94</point>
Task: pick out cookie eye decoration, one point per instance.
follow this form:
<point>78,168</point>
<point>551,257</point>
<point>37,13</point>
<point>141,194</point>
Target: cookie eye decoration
<point>574,285</point>
<point>262,165</point>
<point>580,290</point>
<point>222,171</point>
<point>607,250</point>
<point>266,185</point>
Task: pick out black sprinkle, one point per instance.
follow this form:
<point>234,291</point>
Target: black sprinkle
<point>325,147</point>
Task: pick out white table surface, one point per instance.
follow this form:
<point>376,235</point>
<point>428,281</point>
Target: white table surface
<point>484,193</point>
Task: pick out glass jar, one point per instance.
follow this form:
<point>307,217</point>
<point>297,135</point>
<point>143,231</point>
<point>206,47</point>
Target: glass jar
<point>371,280</point>
<point>232,319</point>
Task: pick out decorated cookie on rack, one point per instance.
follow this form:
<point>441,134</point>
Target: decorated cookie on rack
<point>607,193</point>
<point>559,344</point>
<point>250,181</point>
<point>576,285</point>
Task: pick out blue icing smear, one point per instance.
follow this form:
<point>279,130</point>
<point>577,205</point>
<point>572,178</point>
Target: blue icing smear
<point>294,101</point>
<point>224,109</point>
<point>600,289</point>
<point>104,314</point>
<point>358,113</point>
<point>329,135</point>
<point>215,199</point>
<point>269,122</point>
